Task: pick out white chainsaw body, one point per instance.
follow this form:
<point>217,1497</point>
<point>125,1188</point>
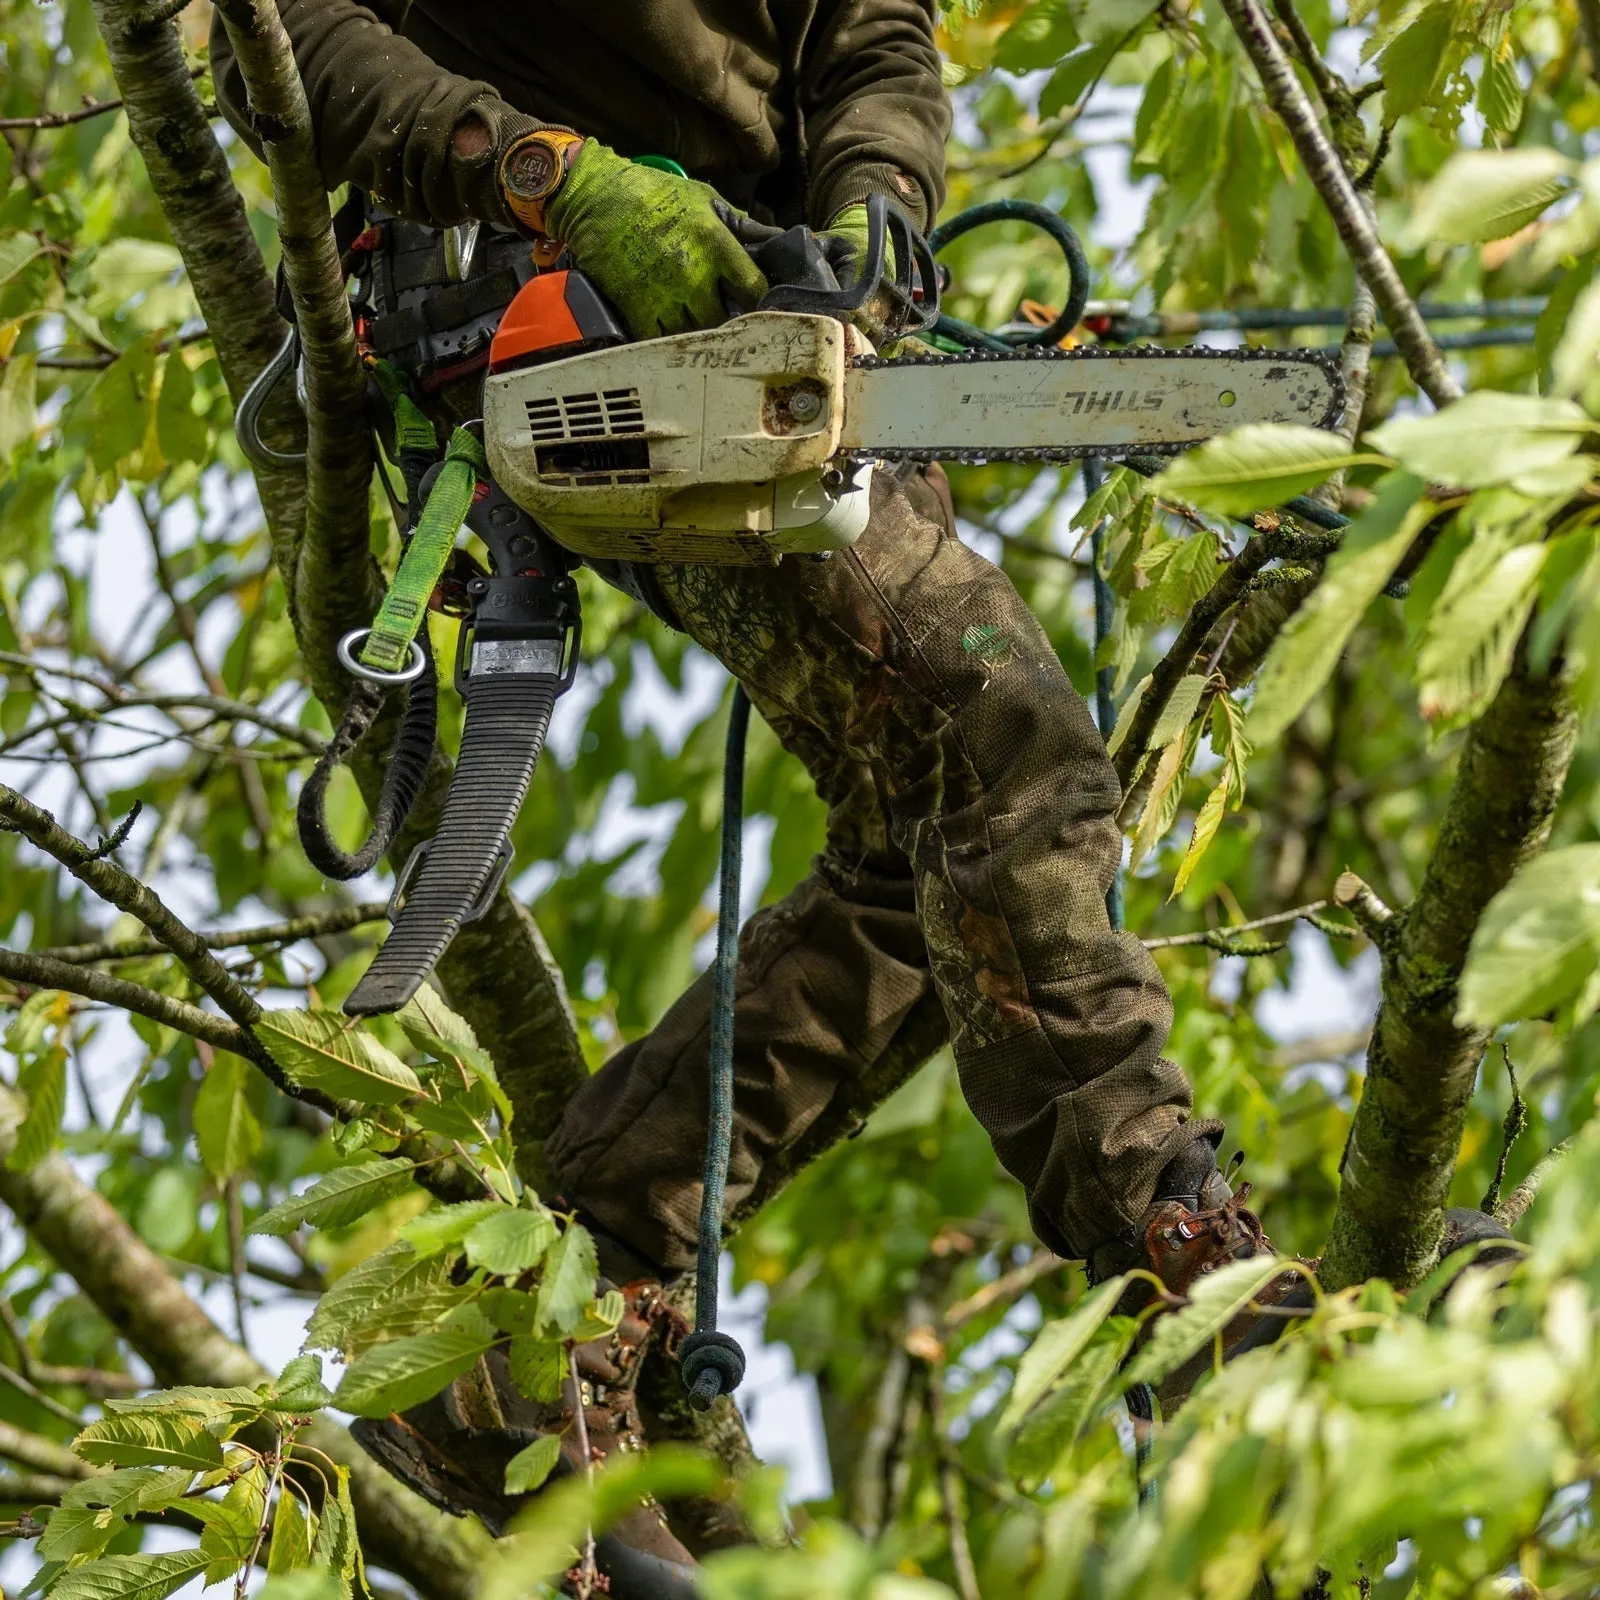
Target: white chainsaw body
<point>700,447</point>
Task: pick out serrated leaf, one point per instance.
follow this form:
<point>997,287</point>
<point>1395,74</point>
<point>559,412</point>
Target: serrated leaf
<point>92,1513</point>
<point>1260,465</point>
<point>339,1197</point>
<point>539,1368</point>
<point>232,1524</point>
<point>1125,715</point>
<point>1304,654</point>
<point>1412,59</point>
<point>299,1387</point>
<point>137,1577</point>
<point>43,1079</point>
<point>1166,790</point>
<point>149,1439</point>
<point>1574,362</point>
<point>1055,1347</point>
<point>601,1318</point>
<point>396,1316</point>
<point>1179,711</point>
<point>181,435</point>
<point>530,1466</point>
<point>16,251</point>
<point>1073,76</point>
<point>1478,195</point>
<point>18,405</point>
<point>1214,1301</point>
<point>225,1128</point>
<point>1206,823</point>
<point>568,1283</point>
<point>1500,91</point>
<point>511,1241</point>
<point>290,1546</point>
<point>1485,438</point>
<point>1089,1385</point>
<point>1538,942</point>
<point>326,1050</point>
<point>404,1372</point>
<point>361,1294</point>
<point>439,1032</point>
<point>445,1227</point>
<point>1180,570</point>
<point>335,1547</point>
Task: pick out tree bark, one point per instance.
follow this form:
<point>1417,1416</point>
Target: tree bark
<point>149,1308</point>
<point>1423,1062</point>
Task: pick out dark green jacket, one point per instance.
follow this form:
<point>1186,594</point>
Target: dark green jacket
<point>797,107</point>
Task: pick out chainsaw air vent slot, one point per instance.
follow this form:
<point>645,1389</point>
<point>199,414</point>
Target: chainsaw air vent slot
<point>585,416</point>
<point>589,458</point>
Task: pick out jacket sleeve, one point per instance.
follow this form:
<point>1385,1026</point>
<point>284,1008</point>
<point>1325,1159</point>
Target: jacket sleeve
<point>875,108</point>
<point>424,141</point>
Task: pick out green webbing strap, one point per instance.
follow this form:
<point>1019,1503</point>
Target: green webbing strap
<point>412,430</point>
<point>388,646</point>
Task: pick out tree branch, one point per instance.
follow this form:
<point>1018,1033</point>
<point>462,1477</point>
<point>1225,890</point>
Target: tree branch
<point>41,972</point>
<point>43,1455</point>
<point>148,1307</point>
<point>315,925</point>
<point>1514,1207</point>
<point>33,1488</point>
<point>1323,167</point>
<point>1420,1070</point>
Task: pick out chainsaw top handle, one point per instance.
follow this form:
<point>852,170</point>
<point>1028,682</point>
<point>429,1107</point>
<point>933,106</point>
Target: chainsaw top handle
<point>804,278</point>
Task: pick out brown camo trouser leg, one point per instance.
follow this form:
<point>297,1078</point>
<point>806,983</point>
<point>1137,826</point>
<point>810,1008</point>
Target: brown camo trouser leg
<point>970,843</point>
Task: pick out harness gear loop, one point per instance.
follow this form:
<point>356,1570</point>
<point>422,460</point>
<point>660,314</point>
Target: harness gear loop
<point>427,552</point>
<point>711,1362</point>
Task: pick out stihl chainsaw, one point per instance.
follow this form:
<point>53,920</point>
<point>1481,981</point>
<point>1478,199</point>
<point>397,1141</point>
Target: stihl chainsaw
<point>743,443</point>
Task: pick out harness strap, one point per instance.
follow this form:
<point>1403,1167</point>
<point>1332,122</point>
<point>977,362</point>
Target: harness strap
<point>427,552</point>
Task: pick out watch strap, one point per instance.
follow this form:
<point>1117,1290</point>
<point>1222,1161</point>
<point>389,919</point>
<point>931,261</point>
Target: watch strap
<point>532,170</point>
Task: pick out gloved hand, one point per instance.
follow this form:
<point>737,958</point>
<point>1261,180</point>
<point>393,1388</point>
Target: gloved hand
<point>844,242</point>
<point>661,248</point>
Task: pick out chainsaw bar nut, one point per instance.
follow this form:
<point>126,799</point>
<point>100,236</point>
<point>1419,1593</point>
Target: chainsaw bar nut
<point>793,407</point>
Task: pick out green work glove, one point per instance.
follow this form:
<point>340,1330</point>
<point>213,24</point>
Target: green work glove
<point>661,248</point>
<point>844,242</point>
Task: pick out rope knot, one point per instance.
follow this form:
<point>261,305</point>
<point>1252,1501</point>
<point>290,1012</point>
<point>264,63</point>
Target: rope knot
<point>712,1363</point>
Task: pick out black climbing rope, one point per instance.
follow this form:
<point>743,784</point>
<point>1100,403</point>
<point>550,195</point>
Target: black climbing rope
<point>711,1362</point>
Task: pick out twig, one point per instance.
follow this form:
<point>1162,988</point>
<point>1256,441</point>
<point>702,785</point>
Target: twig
<point>950,1491</point>
<point>1007,1287</point>
<point>65,119</point>
<point>1516,1119</point>
<point>587,1573</point>
<point>39,1397</point>
<point>112,842</point>
<point>1514,1207</point>
<point>315,925</point>
<point>1323,167</point>
<point>1208,935</point>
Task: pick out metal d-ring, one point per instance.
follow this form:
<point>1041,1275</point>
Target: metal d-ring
<point>346,652</point>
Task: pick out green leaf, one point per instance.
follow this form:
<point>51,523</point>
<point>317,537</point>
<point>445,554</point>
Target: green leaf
<point>1166,791</point>
<point>439,1032</point>
<point>539,1368</point>
<point>92,1513</point>
<point>529,1467</point>
<point>1480,195</point>
<point>1500,91</point>
<point>16,251</point>
<point>1486,438</point>
<point>1538,942</point>
<point>120,404</point>
<point>1262,464</point>
<point>328,1051</point>
<point>18,407</point>
<point>1040,37</point>
<point>1573,363</point>
<point>335,1548</point>
<point>1179,711</point>
<point>444,1227</point>
<point>362,1294</point>
<point>225,1128</point>
<point>339,1197</point>
<point>153,1439</point>
<point>569,1274</point>
<point>181,434</point>
<point>1214,1301</point>
<point>1082,1393</point>
<point>405,1372</point>
<point>291,1535</point>
<point>601,1318</point>
<point>138,1577</point>
<point>1303,655</point>
<point>1125,715</point>
<point>1069,81</point>
<point>1412,59</point>
<point>511,1241</point>
<point>1055,1347</point>
<point>43,1079</point>
<point>299,1387</point>
<point>233,1524</point>
<point>1206,823</point>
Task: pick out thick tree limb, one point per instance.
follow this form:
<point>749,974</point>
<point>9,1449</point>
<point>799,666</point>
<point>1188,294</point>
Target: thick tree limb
<point>150,1309</point>
<point>33,1488</point>
<point>189,175</point>
<point>43,1455</point>
<point>1421,1068</point>
<point>1422,357</point>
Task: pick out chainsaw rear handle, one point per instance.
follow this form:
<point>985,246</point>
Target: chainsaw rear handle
<point>805,279</point>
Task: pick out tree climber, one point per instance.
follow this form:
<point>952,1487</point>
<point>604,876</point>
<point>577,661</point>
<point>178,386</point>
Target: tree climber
<point>971,839</point>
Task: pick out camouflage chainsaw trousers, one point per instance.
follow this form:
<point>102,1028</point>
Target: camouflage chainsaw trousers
<point>961,896</point>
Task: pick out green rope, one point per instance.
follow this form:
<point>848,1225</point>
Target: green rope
<point>406,604</point>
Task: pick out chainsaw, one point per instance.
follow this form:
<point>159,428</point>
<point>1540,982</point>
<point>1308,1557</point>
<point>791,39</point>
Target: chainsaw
<point>747,443</point>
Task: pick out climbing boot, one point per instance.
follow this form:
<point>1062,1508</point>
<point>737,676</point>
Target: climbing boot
<point>1194,1224</point>
<point>453,1449</point>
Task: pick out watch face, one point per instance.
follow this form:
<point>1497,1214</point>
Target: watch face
<point>530,169</point>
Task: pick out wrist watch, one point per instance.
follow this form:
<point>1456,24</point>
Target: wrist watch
<point>533,169</point>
